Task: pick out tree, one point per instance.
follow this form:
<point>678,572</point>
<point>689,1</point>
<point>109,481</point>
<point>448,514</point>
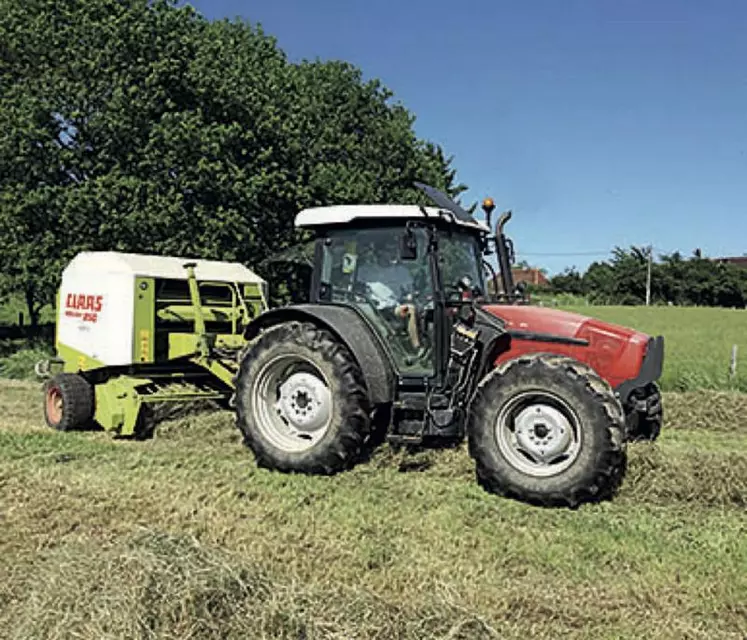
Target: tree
<point>693,281</point>
<point>138,125</point>
<point>569,281</point>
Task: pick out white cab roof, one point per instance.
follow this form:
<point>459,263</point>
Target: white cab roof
<point>342,214</point>
<point>92,263</point>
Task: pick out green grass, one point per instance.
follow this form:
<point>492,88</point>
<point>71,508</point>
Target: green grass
<point>19,365</point>
<point>183,537</point>
<point>698,342</point>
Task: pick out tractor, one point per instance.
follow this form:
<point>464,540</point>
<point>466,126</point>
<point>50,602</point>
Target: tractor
<point>400,339</point>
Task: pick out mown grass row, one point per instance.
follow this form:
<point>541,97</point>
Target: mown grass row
<point>183,537</point>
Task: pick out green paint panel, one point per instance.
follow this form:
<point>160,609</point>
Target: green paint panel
<point>186,312</point>
<point>120,399</point>
<point>75,360</point>
<point>185,344</point>
<point>118,404</point>
<point>143,338</point>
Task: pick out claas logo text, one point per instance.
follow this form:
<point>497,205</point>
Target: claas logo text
<point>86,307</point>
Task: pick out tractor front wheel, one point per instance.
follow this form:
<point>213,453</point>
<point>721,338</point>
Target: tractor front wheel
<point>301,403</point>
<point>547,430</point>
<point>68,402</point>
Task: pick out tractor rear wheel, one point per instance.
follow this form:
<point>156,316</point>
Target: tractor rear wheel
<point>301,403</point>
<point>547,430</point>
<point>68,402</point>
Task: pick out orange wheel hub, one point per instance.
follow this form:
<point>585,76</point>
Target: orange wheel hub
<point>54,405</point>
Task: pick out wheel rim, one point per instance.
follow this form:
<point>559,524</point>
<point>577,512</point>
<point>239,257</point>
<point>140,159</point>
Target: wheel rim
<point>291,403</point>
<point>54,405</point>
<point>538,433</point>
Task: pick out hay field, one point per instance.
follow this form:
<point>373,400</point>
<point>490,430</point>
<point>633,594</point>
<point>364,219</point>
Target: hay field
<point>183,537</point>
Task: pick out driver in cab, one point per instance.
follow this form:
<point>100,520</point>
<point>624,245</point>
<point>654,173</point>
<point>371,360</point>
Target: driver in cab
<point>391,283</point>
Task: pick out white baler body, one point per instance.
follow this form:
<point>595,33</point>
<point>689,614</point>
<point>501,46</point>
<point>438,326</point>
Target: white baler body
<point>96,306</point>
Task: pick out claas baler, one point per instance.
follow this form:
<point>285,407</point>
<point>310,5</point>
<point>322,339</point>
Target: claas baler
<point>133,330</point>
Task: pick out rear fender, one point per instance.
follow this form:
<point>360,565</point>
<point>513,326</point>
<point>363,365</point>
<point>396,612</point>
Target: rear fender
<point>348,327</point>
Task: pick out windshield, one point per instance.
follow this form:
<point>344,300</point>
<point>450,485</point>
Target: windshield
<point>460,256</point>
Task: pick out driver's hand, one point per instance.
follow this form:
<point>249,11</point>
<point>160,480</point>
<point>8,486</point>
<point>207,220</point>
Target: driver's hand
<point>402,310</point>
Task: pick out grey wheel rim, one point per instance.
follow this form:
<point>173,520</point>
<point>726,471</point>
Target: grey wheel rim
<point>291,403</point>
<point>538,433</point>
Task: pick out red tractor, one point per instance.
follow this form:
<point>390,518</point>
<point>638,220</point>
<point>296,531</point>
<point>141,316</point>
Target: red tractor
<point>400,337</point>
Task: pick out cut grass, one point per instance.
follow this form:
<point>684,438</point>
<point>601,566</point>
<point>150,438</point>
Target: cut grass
<point>183,537</point>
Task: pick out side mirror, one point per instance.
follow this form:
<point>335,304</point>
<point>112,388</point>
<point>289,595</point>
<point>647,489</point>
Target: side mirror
<point>408,246</point>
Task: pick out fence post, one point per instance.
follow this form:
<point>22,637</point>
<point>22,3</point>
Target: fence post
<point>733,362</point>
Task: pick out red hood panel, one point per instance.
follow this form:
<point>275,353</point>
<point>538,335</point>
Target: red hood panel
<point>614,351</point>
<point>540,319</point>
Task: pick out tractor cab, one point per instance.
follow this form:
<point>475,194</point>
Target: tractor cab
<point>405,269</point>
<point>413,276</point>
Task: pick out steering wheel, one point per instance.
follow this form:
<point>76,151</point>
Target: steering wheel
<point>454,292</point>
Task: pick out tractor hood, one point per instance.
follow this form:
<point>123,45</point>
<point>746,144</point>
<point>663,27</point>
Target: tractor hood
<point>617,353</point>
<point>555,321</point>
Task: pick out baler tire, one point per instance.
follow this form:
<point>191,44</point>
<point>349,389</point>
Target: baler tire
<point>68,402</point>
<point>348,428</point>
<point>596,462</point>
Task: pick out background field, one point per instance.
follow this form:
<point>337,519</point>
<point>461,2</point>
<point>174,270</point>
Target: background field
<point>698,343</point>
<point>182,537</point>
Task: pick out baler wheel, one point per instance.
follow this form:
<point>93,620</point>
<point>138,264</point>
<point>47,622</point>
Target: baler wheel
<point>68,402</point>
<point>547,430</point>
<point>301,403</point>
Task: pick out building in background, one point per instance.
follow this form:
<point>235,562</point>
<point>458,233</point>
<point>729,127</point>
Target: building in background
<point>531,275</point>
<point>740,261</point>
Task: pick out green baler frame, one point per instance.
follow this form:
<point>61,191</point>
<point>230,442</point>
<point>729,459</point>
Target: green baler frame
<point>171,365</point>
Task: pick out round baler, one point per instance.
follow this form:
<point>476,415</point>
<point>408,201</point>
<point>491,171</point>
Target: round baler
<point>133,330</point>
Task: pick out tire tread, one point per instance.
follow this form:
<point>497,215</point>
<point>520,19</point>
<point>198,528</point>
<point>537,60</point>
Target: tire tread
<point>602,482</point>
<point>350,437</point>
<point>78,401</point>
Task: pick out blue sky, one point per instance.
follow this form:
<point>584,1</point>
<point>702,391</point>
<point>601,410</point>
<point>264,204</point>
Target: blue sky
<point>598,122</point>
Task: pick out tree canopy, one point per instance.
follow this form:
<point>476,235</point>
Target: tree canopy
<point>675,279</point>
<point>137,125</point>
